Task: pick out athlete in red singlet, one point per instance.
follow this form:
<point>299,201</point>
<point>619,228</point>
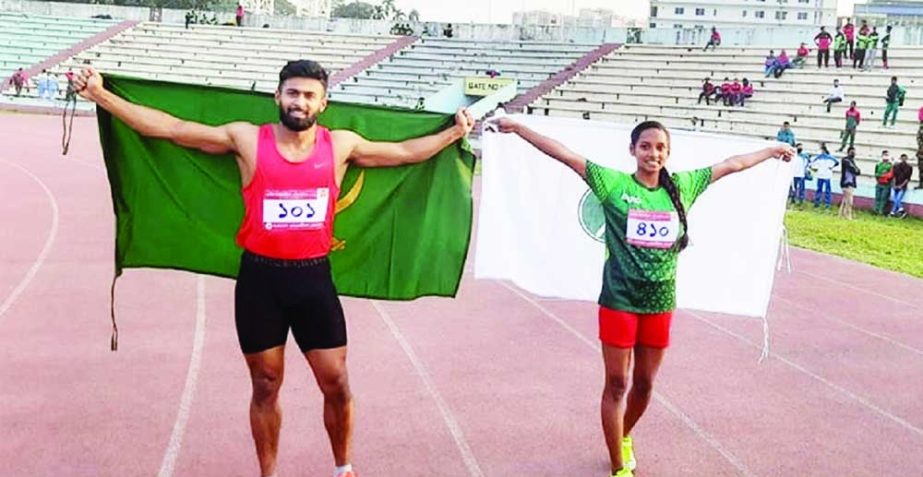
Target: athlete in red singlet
<point>291,173</point>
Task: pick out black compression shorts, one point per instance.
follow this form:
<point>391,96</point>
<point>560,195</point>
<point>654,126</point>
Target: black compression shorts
<point>274,295</point>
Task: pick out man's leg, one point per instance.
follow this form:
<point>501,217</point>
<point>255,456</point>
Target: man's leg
<point>800,183</point>
<point>266,370</point>
<point>329,368</point>
<point>827,194</point>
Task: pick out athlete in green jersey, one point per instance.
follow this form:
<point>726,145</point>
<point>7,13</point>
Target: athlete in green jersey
<point>645,231</point>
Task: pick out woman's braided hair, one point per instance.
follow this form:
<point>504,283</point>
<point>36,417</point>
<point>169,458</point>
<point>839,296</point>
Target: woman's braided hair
<point>666,180</point>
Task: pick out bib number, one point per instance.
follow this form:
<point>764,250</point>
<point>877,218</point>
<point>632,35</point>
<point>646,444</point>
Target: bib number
<point>649,229</point>
<point>293,210</point>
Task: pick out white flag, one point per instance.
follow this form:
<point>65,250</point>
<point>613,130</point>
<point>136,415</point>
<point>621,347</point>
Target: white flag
<point>536,229</point>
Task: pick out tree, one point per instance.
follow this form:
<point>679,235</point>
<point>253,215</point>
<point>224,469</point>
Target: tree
<point>414,15</point>
<point>356,9</point>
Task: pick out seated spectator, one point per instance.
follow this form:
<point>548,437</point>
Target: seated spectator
<point>781,64</point>
<point>734,97</point>
<point>492,73</point>
<point>714,40</point>
<point>746,92</point>
<point>708,90</point>
<point>836,95</point>
<point>769,63</point>
<point>724,91</point>
<point>802,57</point>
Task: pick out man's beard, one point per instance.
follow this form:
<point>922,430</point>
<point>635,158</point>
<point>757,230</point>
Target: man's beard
<point>296,124</point>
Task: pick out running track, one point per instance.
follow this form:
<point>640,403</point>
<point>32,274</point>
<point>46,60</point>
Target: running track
<point>495,382</point>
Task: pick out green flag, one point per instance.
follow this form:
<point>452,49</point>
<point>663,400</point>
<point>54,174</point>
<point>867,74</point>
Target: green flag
<point>399,233</point>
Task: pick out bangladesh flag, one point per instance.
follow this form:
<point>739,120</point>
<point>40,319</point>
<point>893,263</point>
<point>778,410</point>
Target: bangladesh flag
<point>400,233</point>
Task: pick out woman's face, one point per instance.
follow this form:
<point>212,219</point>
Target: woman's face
<point>651,151</point>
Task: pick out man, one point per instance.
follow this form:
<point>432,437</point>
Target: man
<point>862,41</point>
<point>799,167</point>
<point>18,80</point>
<point>823,164</point>
<point>823,41</point>
<point>786,134</point>
<point>708,89</point>
<point>714,40</point>
<point>853,118</point>
<point>884,176</point>
<point>885,43</point>
<point>894,98</point>
<point>240,15</point>
<point>849,31</point>
<point>287,166</point>
<point>839,48</point>
<point>920,149</point>
<point>871,51</point>
<point>902,173</point>
<point>836,95</point>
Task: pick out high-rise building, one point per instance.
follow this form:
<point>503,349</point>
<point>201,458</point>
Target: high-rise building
<point>741,13</point>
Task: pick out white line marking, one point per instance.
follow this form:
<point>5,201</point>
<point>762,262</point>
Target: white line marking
<point>864,290</point>
<point>881,412</point>
<point>192,376</point>
<point>470,462</point>
<point>701,433</point>
<point>46,249</point>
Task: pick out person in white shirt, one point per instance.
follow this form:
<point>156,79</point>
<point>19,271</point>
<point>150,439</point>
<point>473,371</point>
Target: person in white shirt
<point>836,95</point>
<point>800,164</point>
<point>823,165</point>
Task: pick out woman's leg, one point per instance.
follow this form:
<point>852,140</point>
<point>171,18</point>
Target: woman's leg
<point>616,361</point>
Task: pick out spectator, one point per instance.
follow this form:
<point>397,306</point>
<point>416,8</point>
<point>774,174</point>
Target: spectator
<point>839,48</point>
<point>894,98</point>
<point>746,92</point>
<point>779,66</point>
<point>823,41</point>
<point>240,15</point>
<point>447,31</point>
<point>189,17</point>
<point>51,87</point>
<point>724,91</point>
<point>853,118</point>
<point>836,94</point>
<point>786,134</point>
<point>885,43</point>
<point>823,165</point>
<point>902,173</point>
<point>42,84</point>
<point>19,80</point>
<point>862,40</point>
<point>884,176</point>
<point>714,40</point>
<point>734,97</point>
<point>849,31</point>
<point>872,50</point>
<point>848,180</point>
<point>492,73</point>
<point>708,89</point>
<point>799,169</point>
<point>802,56</point>
<point>920,149</point>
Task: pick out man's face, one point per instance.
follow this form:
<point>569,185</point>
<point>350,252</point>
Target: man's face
<point>300,101</point>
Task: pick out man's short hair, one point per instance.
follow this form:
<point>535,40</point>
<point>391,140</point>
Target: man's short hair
<point>303,69</point>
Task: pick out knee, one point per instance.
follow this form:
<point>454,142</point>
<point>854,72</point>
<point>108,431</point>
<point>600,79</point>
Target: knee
<point>335,387</point>
<point>616,385</point>
<point>266,385</point>
<point>642,386</point>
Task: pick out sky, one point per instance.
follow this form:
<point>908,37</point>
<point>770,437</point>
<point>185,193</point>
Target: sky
<point>501,11</point>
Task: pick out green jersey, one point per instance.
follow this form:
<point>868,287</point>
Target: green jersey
<point>642,228</point>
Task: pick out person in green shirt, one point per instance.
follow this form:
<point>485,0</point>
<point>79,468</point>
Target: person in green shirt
<point>872,50</point>
<point>839,48</point>
<point>894,99</point>
<point>883,179</point>
<point>646,229</point>
<point>862,44</point>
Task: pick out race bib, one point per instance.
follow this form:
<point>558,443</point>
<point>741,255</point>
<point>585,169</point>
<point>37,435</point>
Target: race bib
<point>295,209</point>
<point>650,229</point>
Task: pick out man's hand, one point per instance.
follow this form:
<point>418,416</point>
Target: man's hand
<point>464,121</point>
<point>89,84</point>
<point>503,125</point>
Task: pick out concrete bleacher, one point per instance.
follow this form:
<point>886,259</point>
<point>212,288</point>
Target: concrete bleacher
<point>431,64</point>
<point>27,40</point>
<point>639,82</point>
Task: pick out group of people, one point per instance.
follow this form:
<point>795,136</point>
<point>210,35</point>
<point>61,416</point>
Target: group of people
<point>861,47</point>
<point>46,83</point>
<point>892,180</point>
<point>730,93</point>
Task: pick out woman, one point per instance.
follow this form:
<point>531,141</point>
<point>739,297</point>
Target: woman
<point>645,231</point>
<point>848,174</point>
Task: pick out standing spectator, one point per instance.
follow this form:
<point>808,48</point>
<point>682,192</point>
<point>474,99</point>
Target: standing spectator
<point>853,118</point>
<point>19,80</point>
<point>894,98</point>
<point>799,168</point>
<point>746,92</point>
<point>240,15</point>
<point>836,94</point>
<point>786,134</point>
<point>708,89</point>
<point>862,39</point>
<point>823,164</point>
<point>849,174</point>
<point>902,173</point>
<point>839,48</point>
<point>189,17</point>
<point>883,179</point>
<point>802,56</point>
<point>448,32</point>
<point>734,97</point>
<point>849,31</point>
<point>920,149</point>
<point>872,50</point>
<point>714,40</point>
<point>823,41</point>
<point>885,43</point>
<point>51,87</point>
